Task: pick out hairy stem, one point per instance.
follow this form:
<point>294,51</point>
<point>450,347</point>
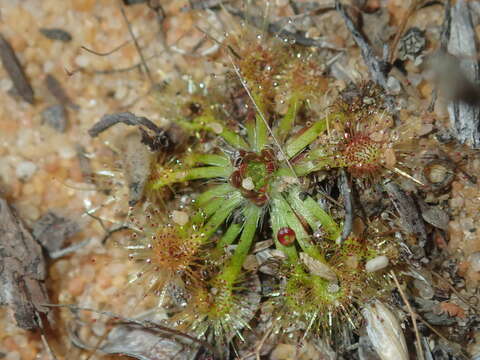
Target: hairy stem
<point>208,159</point>
<point>205,123</point>
<point>231,271</point>
<point>313,214</point>
<point>205,172</point>
<point>218,191</point>
<point>330,226</point>
<point>222,213</point>
<point>297,144</point>
<point>230,235</point>
<point>286,123</point>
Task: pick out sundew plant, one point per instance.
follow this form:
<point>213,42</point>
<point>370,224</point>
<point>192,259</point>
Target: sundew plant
<point>260,138</point>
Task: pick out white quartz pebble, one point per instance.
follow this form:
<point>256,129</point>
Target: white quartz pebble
<point>25,170</point>
<point>375,264</point>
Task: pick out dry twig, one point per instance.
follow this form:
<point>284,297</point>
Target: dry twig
<point>412,315</point>
<point>137,46</point>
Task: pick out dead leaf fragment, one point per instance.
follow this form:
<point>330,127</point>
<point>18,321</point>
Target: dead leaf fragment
<point>22,270</point>
<point>15,71</point>
<point>51,230</point>
<point>452,309</point>
<point>318,268</point>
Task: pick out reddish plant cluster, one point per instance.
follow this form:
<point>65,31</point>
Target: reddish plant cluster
<point>252,174</point>
<point>361,154</point>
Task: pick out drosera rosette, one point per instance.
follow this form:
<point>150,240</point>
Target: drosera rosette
<point>168,252</point>
<point>227,298</point>
<point>322,297</point>
<point>219,313</point>
<point>361,137</point>
<point>258,169</point>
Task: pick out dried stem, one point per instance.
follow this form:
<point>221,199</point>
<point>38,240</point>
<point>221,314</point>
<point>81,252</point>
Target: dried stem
<point>137,46</point>
<point>412,315</point>
<point>105,53</point>
<point>414,4</point>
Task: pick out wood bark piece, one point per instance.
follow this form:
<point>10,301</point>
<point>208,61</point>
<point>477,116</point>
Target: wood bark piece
<point>464,115</point>
<point>22,270</point>
<point>410,216</point>
<point>51,230</point>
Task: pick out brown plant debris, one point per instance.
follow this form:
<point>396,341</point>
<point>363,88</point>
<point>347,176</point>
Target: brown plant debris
<point>56,34</point>
<point>15,71</point>
<point>378,68</point>
<point>51,230</point>
<point>56,89</point>
<point>22,270</point>
<point>141,338</point>
<point>410,216</point>
<point>55,116</point>
<point>465,114</point>
<point>159,139</point>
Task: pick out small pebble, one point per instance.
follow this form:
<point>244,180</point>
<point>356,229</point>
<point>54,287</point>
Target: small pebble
<point>52,230</point>
<point>14,355</point>
<point>457,202</point>
<point>378,263</point>
<point>251,263</point>
<point>82,61</point>
<point>98,328</point>
<point>394,85</point>
<point>390,158</point>
<point>248,184</point>
<point>76,285</point>
<point>333,288</point>
<point>283,352</point>
<point>180,217</point>
<point>425,129</point>
<point>25,170</point>
<point>216,127</point>
<point>318,268</point>
<point>56,34</point>
<point>67,152</point>
<point>424,290</point>
<point>475,261</point>
<point>55,116</point>
<point>436,216</point>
